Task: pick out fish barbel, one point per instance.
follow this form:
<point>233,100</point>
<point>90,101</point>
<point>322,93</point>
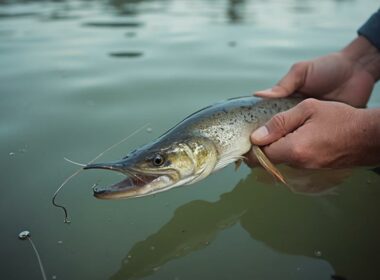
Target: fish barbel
<point>202,143</point>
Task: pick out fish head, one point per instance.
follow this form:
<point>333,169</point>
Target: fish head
<point>159,166</point>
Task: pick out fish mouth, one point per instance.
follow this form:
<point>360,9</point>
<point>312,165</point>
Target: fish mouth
<point>136,184</point>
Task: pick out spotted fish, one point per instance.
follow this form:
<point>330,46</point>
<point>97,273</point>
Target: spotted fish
<point>201,144</point>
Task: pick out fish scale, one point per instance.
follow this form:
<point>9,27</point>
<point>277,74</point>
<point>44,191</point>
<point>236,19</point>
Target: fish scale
<point>230,123</point>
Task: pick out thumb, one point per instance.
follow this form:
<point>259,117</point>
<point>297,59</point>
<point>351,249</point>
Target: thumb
<point>280,125</point>
<point>291,82</point>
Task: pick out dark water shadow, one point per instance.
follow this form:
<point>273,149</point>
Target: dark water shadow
<point>113,24</point>
<point>132,7</point>
<point>235,11</point>
<point>55,16</point>
<point>376,170</point>
<point>130,34</point>
<point>343,229</point>
<point>17,15</point>
<point>126,54</point>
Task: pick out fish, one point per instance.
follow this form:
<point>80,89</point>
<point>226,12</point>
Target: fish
<point>204,142</point>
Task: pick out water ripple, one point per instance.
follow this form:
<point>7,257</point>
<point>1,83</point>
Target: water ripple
<point>114,24</point>
<point>130,54</point>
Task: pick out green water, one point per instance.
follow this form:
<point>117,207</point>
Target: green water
<point>78,76</point>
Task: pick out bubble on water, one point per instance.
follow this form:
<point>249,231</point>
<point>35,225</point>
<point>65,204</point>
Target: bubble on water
<point>317,253</point>
<point>24,235</point>
<point>156,268</point>
<point>60,242</point>
<point>152,248</point>
<point>149,130</point>
<point>54,277</point>
<point>11,154</point>
<point>129,257</point>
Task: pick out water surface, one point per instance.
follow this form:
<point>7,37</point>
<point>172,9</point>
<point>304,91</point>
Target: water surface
<point>78,76</point>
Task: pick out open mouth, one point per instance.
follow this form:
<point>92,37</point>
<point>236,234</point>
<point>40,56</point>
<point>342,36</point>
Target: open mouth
<point>136,184</point>
<point>131,186</point>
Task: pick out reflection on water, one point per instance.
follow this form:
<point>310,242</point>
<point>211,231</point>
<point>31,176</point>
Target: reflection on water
<point>113,24</point>
<point>126,54</point>
<point>129,7</point>
<point>270,215</point>
<point>77,76</point>
<point>17,15</point>
<point>235,10</point>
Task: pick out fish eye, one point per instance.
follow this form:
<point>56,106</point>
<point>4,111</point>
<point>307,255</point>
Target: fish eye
<point>158,160</point>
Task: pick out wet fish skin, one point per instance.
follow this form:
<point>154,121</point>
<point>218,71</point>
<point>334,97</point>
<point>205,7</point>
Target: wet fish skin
<point>202,143</point>
<point>229,123</point>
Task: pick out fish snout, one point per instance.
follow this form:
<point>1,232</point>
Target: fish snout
<point>117,166</point>
<point>99,191</point>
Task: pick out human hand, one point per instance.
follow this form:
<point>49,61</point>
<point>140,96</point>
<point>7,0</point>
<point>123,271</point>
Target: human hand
<point>317,134</point>
<point>347,76</point>
<point>320,134</point>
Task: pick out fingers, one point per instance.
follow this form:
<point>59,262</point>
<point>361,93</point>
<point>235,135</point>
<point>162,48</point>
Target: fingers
<point>294,80</point>
<point>281,124</point>
<point>277,152</point>
<point>277,134</point>
<point>274,92</point>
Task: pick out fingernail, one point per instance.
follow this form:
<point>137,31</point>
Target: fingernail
<point>268,90</point>
<point>260,133</point>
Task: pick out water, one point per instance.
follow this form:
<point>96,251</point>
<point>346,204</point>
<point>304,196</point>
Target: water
<point>78,76</point>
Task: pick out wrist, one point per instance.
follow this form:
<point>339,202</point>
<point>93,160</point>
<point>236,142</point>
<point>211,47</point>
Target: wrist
<point>370,134</point>
<point>363,53</point>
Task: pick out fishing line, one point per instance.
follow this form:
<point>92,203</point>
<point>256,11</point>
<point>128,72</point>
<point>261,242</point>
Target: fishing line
<point>66,219</point>
<point>25,235</point>
<point>74,162</point>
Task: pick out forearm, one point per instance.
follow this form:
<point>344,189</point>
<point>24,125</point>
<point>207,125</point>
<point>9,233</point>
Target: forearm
<point>363,53</point>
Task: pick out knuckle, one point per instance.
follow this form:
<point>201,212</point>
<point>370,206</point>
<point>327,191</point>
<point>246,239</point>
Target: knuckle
<point>298,67</point>
<point>299,72</point>
<point>310,105</point>
<point>278,123</point>
<point>300,155</point>
<point>310,102</point>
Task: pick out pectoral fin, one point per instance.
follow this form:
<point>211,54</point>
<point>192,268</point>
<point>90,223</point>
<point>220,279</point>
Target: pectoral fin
<point>265,162</point>
<point>238,164</point>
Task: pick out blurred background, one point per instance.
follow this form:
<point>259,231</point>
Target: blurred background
<point>78,76</point>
